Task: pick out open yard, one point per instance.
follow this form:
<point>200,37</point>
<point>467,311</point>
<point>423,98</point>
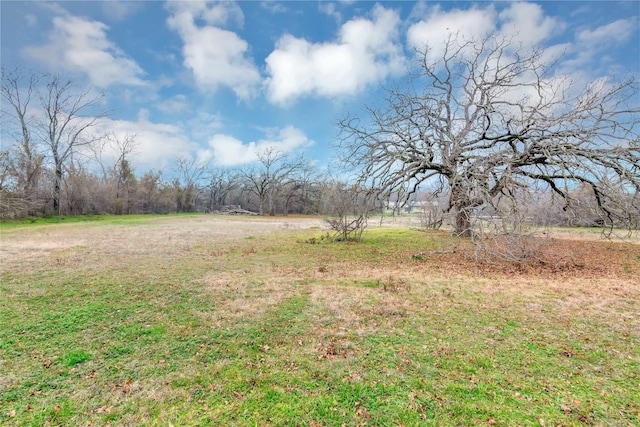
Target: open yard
<point>211,320</point>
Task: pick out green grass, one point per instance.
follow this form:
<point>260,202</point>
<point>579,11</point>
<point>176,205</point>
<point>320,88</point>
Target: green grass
<point>273,330</point>
<point>72,219</point>
<point>75,357</point>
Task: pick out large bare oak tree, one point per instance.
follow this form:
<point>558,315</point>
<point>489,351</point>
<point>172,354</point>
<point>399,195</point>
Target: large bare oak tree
<point>485,119</point>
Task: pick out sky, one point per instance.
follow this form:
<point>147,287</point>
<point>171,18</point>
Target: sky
<point>222,82</point>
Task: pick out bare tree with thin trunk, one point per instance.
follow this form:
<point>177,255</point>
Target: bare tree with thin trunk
<point>486,118</point>
<point>149,192</point>
<point>23,160</point>
<point>191,173</point>
<point>68,115</point>
<point>348,207</point>
<point>126,181</point>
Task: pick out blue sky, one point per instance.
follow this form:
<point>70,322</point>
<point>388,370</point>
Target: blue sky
<point>221,81</point>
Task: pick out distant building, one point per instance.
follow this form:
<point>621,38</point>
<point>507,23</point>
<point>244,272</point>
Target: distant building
<point>412,206</point>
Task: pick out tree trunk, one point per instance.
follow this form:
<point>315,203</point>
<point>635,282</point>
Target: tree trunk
<point>461,203</point>
<point>463,222</point>
<point>56,189</point>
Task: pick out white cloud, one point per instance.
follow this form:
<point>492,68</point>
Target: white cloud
<point>439,26</point>
<point>588,56</point>
<point>217,13</point>
<point>202,125</point>
<point>366,51</point>
<point>79,44</point>
<point>157,144</point>
<point>527,24</point>
<point>329,8</point>
<point>225,150</point>
<point>117,10</point>
<point>175,104</point>
<point>273,7</point>
<point>524,23</point>
<point>615,32</point>
<point>215,56</point>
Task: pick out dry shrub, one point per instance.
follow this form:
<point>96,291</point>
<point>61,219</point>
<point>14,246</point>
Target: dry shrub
<point>513,247</point>
<point>348,228</point>
<point>507,236</point>
<point>432,218</point>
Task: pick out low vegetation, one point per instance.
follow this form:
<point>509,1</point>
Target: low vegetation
<point>206,320</point>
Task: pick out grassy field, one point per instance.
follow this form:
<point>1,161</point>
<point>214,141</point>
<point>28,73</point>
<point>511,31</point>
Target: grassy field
<point>205,320</point>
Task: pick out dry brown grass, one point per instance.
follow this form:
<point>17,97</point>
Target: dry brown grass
<point>165,235</point>
<point>244,298</point>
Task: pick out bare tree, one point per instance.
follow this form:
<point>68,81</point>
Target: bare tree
<point>348,207</point>
<point>275,172</point>
<point>126,181</point>
<point>149,192</point>
<point>80,190</point>
<point>220,184</point>
<point>191,172</point>
<point>68,115</point>
<point>12,202</point>
<point>113,155</point>
<point>23,161</point>
<point>301,194</point>
<point>488,117</point>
